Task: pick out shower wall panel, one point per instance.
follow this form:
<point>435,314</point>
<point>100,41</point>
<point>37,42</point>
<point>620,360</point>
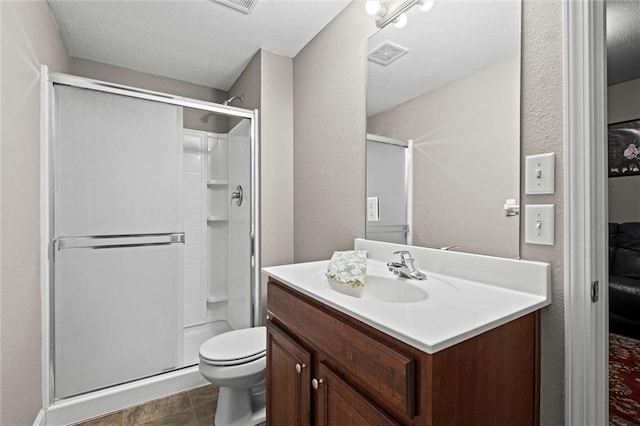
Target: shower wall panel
<point>218,227</point>
<point>195,201</point>
<point>240,226</point>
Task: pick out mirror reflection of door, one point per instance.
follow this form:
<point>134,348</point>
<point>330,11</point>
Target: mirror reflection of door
<point>388,187</point>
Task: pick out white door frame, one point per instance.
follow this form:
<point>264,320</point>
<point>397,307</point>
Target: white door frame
<point>586,215</point>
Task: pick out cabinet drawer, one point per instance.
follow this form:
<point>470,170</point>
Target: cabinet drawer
<point>383,373</point>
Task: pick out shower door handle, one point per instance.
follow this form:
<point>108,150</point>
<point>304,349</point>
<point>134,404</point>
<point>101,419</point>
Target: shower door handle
<point>117,241</point>
<point>237,195</point>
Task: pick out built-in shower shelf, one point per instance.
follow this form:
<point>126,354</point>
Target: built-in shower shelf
<point>217,182</point>
<point>216,219</point>
<point>217,297</point>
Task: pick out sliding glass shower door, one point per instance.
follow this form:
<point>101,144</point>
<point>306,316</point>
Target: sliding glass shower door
<point>152,232</point>
<point>118,238</point>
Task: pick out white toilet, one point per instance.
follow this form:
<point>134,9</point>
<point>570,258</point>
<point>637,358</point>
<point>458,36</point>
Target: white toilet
<point>236,362</point>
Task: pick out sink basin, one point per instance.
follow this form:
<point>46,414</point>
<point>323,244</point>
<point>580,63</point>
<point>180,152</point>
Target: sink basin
<point>383,289</point>
<point>392,290</point>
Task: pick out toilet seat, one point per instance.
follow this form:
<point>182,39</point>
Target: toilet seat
<point>235,347</point>
<point>223,363</point>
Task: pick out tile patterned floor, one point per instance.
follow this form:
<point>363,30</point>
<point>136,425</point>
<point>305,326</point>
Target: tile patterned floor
<point>191,408</point>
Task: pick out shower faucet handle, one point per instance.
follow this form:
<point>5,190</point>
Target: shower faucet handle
<point>237,195</point>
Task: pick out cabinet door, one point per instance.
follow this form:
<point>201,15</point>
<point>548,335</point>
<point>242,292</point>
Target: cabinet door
<point>288,380</point>
<point>337,403</point>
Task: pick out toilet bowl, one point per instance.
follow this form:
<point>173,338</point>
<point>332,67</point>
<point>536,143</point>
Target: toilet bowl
<point>236,362</point>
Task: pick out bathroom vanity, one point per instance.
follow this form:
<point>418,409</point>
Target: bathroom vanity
<point>466,354</point>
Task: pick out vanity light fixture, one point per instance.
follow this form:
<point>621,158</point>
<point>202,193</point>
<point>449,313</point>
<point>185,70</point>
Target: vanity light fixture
<point>401,21</point>
<point>384,16</point>
<point>374,7</point>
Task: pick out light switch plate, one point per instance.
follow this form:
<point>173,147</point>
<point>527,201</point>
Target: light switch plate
<point>539,175</point>
<point>373,209</point>
<point>540,224</point>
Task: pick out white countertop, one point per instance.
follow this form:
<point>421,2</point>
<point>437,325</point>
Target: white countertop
<point>456,308</point>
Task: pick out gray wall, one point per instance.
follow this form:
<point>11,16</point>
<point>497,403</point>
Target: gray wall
<point>29,38</point>
<point>624,192</point>
<point>541,130</point>
<point>193,119</point>
<point>470,127</point>
<point>329,100</point>
<point>248,84</point>
<point>329,82</point>
<point>267,84</point>
<point>276,142</point>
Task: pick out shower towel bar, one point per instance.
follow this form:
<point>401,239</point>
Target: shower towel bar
<point>117,241</point>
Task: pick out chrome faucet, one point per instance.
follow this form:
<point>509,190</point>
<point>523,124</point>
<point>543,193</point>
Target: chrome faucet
<point>405,268</point>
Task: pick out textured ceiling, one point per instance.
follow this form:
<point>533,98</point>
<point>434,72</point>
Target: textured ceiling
<point>199,41</point>
<point>623,40</point>
<point>453,40</point>
<point>207,43</point>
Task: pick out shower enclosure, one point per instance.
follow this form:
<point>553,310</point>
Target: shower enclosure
<point>149,234</point>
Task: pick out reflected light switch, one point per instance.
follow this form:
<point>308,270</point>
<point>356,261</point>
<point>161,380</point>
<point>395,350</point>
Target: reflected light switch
<point>373,209</point>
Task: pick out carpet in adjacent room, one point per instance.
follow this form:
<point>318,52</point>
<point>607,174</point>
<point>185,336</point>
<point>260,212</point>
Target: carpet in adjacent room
<point>624,381</point>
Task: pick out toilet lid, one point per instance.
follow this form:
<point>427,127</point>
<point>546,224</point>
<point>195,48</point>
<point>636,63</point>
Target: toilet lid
<point>235,346</point>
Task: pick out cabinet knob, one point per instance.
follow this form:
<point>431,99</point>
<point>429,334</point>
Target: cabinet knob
<point>316,383</point>
<point>300,367</point>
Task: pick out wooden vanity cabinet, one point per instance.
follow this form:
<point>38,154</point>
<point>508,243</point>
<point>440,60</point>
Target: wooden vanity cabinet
<point>338,403</point>
<point>327,368</point>
<point>289,379</point>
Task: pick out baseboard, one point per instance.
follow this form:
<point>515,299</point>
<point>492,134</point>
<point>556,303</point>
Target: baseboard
<point>41,419</point>
<point>99,403</point>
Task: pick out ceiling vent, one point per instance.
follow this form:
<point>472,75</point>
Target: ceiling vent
<point>386,53</point>
<point>245,6</point>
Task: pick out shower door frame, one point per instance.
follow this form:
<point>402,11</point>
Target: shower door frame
<point>408,184</point>
<point>47,81</point>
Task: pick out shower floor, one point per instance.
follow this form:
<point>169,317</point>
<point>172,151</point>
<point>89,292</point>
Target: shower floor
<point>195,336</point>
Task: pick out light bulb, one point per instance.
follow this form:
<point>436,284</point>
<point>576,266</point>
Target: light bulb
<point>425,5</point>
<point>400,21</point>
<point>373,7</point>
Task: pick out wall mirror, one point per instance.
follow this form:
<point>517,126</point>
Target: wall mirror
<point>443,128</point>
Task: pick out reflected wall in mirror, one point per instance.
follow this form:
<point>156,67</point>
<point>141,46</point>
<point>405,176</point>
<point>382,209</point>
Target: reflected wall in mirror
<point>454,99</point>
